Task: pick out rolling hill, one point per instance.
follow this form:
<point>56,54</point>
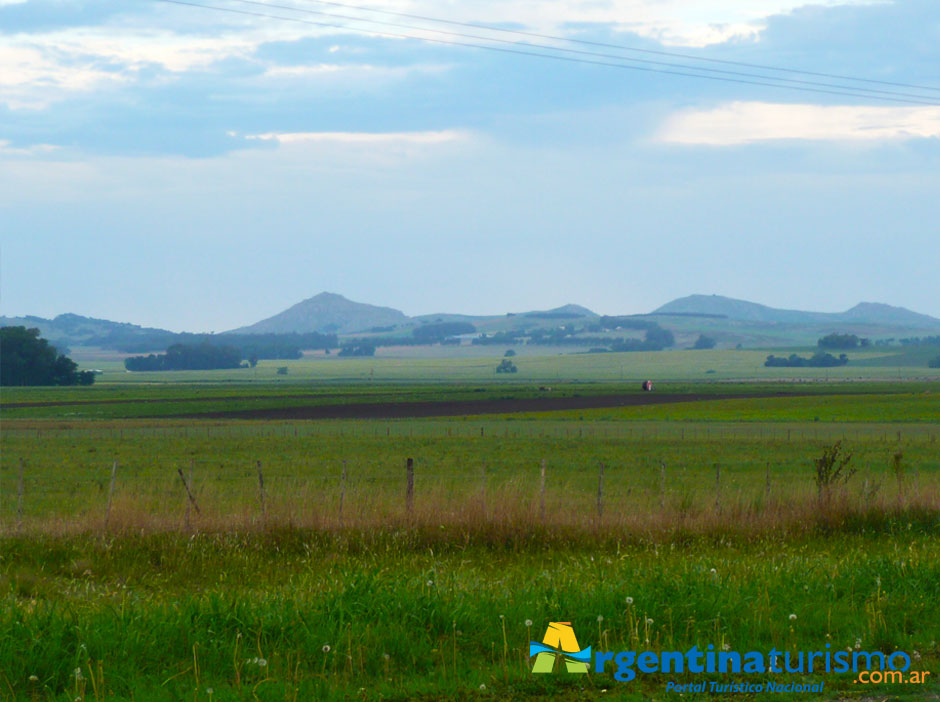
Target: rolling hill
<point>328,313</point>
<point>864,313</point>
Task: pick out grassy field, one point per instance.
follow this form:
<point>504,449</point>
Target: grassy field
<point>322,581</point>
<point>410,365</point>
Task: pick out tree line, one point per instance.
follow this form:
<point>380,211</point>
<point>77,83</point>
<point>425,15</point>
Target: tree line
<point>817,360</point>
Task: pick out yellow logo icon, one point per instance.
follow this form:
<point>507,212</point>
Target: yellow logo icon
<point>559,640</point>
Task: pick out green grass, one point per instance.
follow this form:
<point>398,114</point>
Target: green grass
<point>165,603</point>
<point>412,617</point>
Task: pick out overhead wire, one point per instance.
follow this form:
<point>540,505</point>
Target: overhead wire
<point>579,51</point>
<point>805,86</point>
<point>622,47</point>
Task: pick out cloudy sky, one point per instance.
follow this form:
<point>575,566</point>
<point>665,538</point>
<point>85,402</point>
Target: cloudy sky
<point>198,169</point>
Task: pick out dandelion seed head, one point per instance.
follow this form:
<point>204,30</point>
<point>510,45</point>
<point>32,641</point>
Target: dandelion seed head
<point>649,621</point>
<point>629,600</point>
<point>34,678</point>
<point>528,622</point>
<point>792,617</point>
<point>482,686</point>
<point>430,583</point>
<point>326,648</point>
<point>600,618</point>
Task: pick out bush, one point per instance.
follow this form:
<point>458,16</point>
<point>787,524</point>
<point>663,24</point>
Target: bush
<point>510,353</point>
<point>506,366</point>
<point>704,342</point>
<point>934,362</point>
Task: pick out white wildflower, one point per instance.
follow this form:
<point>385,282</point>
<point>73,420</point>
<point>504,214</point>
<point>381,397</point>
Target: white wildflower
<point>915,655</point>
<point>649,621</point>
<point>430,583</point>
<point>482,686</point>
<point>78,673</point>
<point>725,647</point>
<point>34,678</point>
<point>326,648</point>
<point>792,617</point>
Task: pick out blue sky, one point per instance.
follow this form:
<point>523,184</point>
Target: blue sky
<point>192,169</point>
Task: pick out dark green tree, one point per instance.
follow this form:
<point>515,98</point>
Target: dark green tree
<point>28,359</point>
<point>704,342</point>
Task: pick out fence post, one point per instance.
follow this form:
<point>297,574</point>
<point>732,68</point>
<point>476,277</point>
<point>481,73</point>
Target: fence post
<point>767,482</point>
<point>107,515</point>
<point>483,489</point>
<point>542,492</point>
<point>19,498</point>
<point>342,491</point>
<point>410,490</point>
<point>189,493</point>
<point>264,509</point>
<point>600,491</point>
<point>718,487</point>
<point>662,485</point>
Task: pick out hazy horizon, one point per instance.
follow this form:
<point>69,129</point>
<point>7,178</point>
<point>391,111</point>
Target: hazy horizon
<point>186,169</point>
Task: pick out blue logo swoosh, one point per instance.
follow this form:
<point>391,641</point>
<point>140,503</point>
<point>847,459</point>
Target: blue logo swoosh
<point>584,656</point>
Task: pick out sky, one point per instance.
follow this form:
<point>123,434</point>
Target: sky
<point>200,169</point>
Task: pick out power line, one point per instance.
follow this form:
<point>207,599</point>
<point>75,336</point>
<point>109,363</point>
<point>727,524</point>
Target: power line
<point>587,53</point>
<point>621,47</point>
<point>855,92</point>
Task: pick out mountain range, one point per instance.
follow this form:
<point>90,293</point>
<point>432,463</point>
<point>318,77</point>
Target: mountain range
<point>729,320</point>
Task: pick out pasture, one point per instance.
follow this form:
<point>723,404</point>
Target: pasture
<point>301,569</point>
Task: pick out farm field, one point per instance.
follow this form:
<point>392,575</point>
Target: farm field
<point>549,365</point>
<point>300,569</point>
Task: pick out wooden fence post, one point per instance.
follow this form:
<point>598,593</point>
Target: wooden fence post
<point>410,490</point>
<point>600,491</point>
<point>342,491</point>
<point>264,509</point>
<point>483,489</point>
<point>107,515</point>
<point>718,487</point>
<point>767,482</point>
<point>542,492</point>
<point>189,493</point>
<point>19,498</point>
<point>662,485</point>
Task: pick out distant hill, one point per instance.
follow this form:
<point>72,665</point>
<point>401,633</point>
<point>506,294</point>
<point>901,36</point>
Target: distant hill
<point>327,313</point>
<point>869,313</point>
<point>564,312</point>
<point>75,330</point>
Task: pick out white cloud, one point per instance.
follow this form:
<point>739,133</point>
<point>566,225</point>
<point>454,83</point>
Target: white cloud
<point>747,122</point>
<point>352,69</point>
<point>438,137</point>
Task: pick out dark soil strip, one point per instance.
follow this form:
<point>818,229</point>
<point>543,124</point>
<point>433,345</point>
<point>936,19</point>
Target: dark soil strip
<point>398,410</point>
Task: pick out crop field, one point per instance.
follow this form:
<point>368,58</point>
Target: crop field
<point>147,554</point>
